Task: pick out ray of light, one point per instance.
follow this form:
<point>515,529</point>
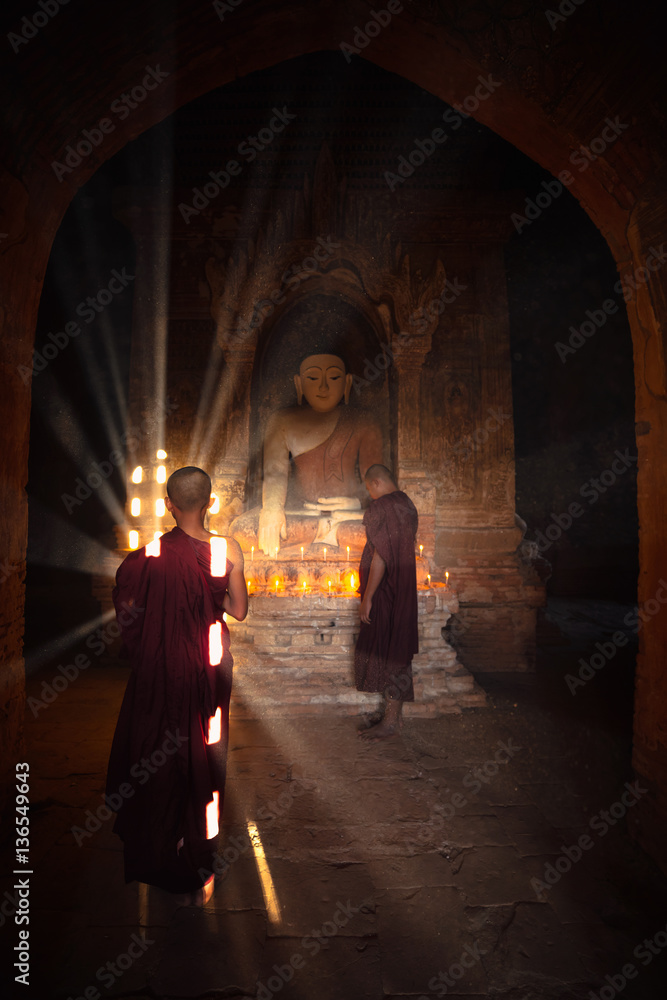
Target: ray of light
<point>268,888</point>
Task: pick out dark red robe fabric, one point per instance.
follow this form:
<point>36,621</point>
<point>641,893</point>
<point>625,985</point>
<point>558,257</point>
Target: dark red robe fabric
<point>161,770</point>
<point>384,651</point>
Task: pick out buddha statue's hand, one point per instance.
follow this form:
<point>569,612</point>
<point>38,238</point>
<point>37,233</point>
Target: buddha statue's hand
<point>272,527</point>
<point>335,503</point>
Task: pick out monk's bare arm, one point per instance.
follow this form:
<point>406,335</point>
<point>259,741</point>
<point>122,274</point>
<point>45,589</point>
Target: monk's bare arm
<point>375,574</point>
<point>235,601</point>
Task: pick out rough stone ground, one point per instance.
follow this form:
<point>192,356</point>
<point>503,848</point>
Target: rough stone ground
<point>391,864</point>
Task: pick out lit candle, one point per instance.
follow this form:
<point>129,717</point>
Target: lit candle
<point>252,553</point>
<point>446,578</point>
<point>249,585</point>
<point>304,588</point>
<point>302,554</point>
<point>428,577</point>
<point>276,585</point>
<point>348,553</point>
<point>325,553</point>
<point>329,582</point>
<point>421,549</point>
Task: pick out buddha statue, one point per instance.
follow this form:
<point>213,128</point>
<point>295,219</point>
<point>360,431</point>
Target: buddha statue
<point>315,458</point>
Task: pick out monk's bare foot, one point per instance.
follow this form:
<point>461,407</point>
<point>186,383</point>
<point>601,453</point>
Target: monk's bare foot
<point>201,896</point>
<point>382,731</point>
<point>371,719</point>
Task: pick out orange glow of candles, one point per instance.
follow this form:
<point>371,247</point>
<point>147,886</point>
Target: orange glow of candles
<point>348,553</point>
<point>213,816</point>
<point>133,539</point>
<point>428,579</point>
<point>252,553</point>
<point>447,578</point>
<point>353,582</point>
<point>277,584</point>
<point>329,585</point>
<point>421,550</point>
<point>304,588</point>
<point>218,555</point>
<point>215,643</point>
<point>214,727</point>
<point>153,548</point>
<point>325,553</point>
<point>249,584</point>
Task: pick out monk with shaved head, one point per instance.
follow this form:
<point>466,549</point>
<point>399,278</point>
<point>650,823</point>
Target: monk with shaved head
<point>166,773</point>
<point>388,586</point>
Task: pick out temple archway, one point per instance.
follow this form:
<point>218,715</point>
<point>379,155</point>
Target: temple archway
<point>622,195</point>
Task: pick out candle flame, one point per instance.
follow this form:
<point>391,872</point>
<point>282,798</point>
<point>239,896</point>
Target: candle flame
<point>137,474</point>
<point>133,539</point>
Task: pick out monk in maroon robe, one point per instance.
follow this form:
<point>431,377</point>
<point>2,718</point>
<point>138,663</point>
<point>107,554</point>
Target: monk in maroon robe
<point>388,587</point>
<point>168,759</point>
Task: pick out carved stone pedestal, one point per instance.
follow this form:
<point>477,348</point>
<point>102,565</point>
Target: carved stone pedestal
<point>295,655</point>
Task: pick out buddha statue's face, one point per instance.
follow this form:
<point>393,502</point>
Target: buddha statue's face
<point>322,380</point>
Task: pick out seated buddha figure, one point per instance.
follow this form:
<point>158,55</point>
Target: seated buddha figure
<point>315,458</point>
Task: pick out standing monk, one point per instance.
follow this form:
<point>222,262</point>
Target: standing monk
<point>388,586</point>
<point>168,759</point>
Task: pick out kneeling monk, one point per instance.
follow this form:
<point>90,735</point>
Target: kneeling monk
<point>168,759</point>
<point>388,586</point>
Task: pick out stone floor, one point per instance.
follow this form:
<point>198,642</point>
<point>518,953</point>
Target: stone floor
<point>398,870</point>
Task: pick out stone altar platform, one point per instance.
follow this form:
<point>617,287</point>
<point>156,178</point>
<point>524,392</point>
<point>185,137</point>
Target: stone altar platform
<point>294,654</point>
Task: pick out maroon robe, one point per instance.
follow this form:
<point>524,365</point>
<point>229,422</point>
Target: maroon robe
<point>384,651</point>
<point>161,770</point>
